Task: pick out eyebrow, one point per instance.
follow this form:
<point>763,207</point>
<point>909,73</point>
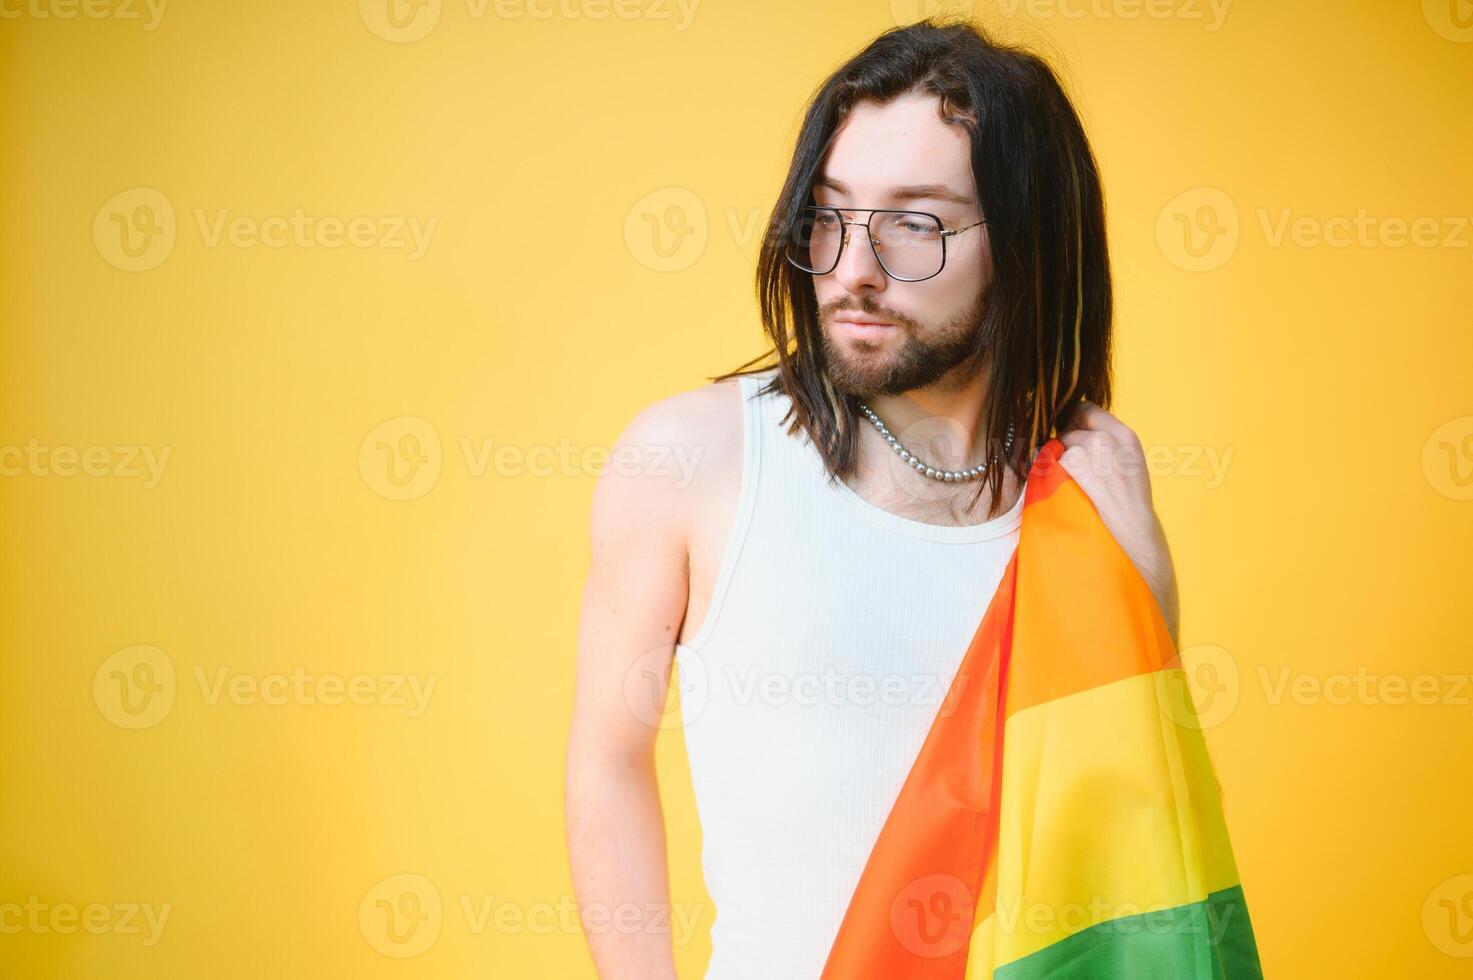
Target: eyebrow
<point>909,192</point>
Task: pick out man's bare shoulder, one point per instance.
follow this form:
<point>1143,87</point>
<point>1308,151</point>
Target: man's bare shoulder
<point>673,456</point>
<point>708,417</point>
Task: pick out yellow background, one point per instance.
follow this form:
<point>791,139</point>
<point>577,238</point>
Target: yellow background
<point>543,314</point>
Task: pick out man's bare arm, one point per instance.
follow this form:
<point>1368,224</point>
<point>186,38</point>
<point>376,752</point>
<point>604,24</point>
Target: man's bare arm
<point>633,605</point>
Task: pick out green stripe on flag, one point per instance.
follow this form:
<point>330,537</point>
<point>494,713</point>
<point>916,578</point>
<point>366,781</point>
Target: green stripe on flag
<point>1207,940</point>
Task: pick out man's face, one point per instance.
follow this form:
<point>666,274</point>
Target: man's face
<point>900,156</point>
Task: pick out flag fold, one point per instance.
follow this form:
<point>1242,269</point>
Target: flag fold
<point>1062,819</point>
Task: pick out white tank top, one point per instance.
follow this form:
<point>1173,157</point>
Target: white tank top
<point>833,633</point>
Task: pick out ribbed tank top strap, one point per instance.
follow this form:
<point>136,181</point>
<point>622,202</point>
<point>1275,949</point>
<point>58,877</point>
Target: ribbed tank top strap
<point>756,442</point>
<point>791,462</point>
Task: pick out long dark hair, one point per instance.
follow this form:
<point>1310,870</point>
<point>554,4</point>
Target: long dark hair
<point>1045,335</point>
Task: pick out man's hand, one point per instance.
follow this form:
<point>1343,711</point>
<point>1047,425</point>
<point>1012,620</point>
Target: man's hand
<point>1105,458</point>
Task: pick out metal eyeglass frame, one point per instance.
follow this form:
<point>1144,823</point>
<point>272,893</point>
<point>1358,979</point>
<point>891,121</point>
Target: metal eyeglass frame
<point>873,244</point>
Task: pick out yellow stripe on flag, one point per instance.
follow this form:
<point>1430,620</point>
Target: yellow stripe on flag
<point>1109,808</point>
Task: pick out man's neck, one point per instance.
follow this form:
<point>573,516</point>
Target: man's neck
<point>947,415</point>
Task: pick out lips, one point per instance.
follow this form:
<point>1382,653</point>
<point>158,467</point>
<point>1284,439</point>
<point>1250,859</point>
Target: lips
<point>863,329</point>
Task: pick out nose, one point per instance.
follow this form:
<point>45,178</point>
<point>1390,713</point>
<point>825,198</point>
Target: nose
<point>859,269</point>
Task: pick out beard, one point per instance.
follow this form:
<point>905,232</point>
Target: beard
<point>926,356</point>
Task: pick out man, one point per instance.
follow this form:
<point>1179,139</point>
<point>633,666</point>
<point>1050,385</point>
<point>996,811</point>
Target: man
<point>936,286</point>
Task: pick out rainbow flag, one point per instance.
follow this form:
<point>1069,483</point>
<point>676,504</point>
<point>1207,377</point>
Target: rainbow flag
<point>1062,818</point>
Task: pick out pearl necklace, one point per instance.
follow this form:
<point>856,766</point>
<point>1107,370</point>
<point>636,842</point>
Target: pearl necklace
<point>914,462</point>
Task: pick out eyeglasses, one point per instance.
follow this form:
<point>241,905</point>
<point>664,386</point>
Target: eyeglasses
<point>910,245</point>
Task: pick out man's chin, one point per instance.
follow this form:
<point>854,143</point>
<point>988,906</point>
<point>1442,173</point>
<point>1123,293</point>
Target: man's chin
<point>862,378</point>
